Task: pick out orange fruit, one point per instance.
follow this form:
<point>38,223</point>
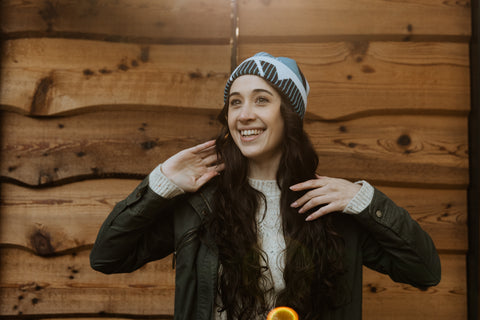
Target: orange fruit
<point>282,313</point>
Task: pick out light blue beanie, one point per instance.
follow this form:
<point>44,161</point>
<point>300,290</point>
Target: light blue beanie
<point>283,73</point>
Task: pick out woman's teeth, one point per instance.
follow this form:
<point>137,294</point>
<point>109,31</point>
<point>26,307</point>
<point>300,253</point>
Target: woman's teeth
<point>252,132</point>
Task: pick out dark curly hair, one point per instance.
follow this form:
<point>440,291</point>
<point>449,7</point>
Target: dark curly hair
<point>314,251</point>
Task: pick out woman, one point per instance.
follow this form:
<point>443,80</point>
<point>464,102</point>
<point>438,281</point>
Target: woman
<point>252,226</point>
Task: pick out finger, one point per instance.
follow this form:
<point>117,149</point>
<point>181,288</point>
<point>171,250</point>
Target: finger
<point>210,160</point>
<point>310,184</point>
<point>207,151</point>
<point>321,212</point>
<point>307,197</point>
<point>216,168</point>
<point>220,167</point>
<point>315,202</point>
<point>205,178</point>
<point>202,146</point>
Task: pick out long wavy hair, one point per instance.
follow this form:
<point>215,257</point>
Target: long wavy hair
<point>314,251</point>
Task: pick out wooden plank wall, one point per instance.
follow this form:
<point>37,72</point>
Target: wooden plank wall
<point>94,94</point>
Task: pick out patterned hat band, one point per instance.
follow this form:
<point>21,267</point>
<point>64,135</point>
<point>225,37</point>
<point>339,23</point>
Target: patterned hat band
<point>283,73</point>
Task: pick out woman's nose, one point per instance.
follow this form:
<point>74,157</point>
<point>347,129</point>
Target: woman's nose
<point>247,113</point>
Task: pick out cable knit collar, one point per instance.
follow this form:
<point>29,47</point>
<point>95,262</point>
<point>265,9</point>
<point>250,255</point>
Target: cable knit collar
<point>268,187</point>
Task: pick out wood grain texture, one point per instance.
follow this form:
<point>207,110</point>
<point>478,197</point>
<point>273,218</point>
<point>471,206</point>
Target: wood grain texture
<point>66,284</point>
<point>384,299</point>
<point>166,21</point>
<point>123,143</point>
<point>352,79</point>
<point>58,220</point>
<point>53,76</point>
<point>311,20</point>
<point>420,150</point>
<point>67,218</point>
<point>407,150</point>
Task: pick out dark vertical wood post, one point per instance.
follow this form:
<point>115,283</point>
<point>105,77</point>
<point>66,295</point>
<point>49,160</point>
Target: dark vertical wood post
<point>234,35</point>
<point>473,269</point>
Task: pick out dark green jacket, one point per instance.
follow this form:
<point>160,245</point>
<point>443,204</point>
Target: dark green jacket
<point>146,227</point>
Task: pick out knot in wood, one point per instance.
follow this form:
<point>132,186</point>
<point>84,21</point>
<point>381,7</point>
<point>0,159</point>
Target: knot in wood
<point>41,243</point>
<point>404,140</point>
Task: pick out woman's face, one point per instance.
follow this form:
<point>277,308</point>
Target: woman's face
<point>254,119</point>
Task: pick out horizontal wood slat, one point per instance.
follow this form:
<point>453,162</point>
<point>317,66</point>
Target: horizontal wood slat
<point>54,76</point>
<point>39,151</point>
<point>422,150</point>
<point>174,21</point>
<point>66,284</point>
<point>55,220</point>
<point>165,21</point>
<point>384,299</point>
<point>61,219</point>
<point>312,20</point>
<point>351,79</point>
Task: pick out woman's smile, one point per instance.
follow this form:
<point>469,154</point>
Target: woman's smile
<point>250,134</point>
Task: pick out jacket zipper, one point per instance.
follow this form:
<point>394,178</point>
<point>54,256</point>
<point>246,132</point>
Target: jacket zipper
<point>187,238</point>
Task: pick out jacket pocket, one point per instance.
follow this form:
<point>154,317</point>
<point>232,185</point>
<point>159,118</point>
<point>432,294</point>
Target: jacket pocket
<point>187,238</point>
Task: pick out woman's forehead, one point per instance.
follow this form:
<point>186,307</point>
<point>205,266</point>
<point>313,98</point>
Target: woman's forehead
<point>250,82</point>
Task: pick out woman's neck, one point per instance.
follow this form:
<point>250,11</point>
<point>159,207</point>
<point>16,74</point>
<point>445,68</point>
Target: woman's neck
<point>263,170</point>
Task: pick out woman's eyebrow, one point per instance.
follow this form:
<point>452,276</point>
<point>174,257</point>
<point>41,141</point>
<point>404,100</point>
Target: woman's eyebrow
<point>254,90</point>
<point>263,90</point>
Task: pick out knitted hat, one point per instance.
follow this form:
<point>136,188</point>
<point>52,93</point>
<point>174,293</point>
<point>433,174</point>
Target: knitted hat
<point>283,73</point>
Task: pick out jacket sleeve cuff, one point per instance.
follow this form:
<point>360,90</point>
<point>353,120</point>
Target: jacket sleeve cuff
<point>361,200</point>
<point>161,185</point>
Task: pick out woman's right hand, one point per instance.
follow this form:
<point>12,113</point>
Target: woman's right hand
<point>193,167</point>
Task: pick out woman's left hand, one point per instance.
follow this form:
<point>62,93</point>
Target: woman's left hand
<point>333,193</point>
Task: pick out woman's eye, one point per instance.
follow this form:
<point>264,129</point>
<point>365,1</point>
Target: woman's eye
<point>235,102</point>
<point>262,100</point>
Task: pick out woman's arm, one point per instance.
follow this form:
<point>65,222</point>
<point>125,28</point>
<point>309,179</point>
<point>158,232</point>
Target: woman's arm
<point>394,243</point>
<point>140,228</point>
<point>397,245</point>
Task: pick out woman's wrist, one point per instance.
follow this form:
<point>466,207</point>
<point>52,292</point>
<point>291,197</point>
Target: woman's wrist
<point>361,200</point>
<point>161,185</point>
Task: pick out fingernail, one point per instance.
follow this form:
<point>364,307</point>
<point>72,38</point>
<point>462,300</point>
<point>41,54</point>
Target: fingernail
<point>302,210</point>
<point>293,205</point>
<point>308,218</point>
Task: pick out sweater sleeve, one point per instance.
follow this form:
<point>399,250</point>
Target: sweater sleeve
<point>138,230</point>
<point>161,185</point>
<point>361,200</point>
<point>396,245</point>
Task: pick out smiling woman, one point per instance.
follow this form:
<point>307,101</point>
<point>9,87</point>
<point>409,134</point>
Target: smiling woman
<point>256,125</point>
<point>251,224</point>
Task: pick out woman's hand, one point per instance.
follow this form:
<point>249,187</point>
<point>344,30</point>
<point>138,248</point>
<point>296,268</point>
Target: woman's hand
<point>334,194</point>
<point>192,168</point>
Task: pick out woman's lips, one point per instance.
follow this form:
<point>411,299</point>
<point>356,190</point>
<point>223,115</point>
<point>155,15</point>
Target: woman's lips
<point>248,135</point>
